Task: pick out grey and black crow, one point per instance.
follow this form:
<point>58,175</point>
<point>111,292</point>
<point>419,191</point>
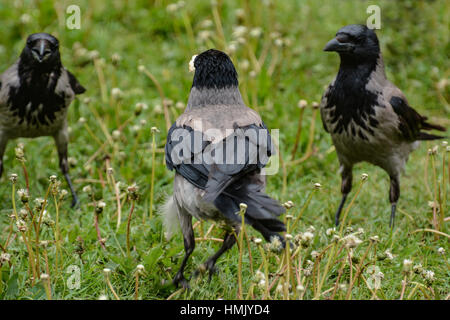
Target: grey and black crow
<point>368,117</point>
<point>218,148</point>
<point>35,93</point>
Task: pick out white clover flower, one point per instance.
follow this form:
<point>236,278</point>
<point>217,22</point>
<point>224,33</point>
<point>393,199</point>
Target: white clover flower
<point>418,269</point>
<point>428,275</point>
<point>240,13</point>
<point>255,32</point>
<point>239,31</point>
<point>116,58</point>
<point>140,268</point>
<point>23,195</point>
<point>87,189</point>
<point>116,135</point>
<point>171,8</point>
<point>302,103</point>
<point>154,130</point>
<point>351,241</point>
<point>241,40</point>
<point>94,54</point>
<point>315,254</point>
<point>288,236</point>
<point>64,193</point>
<point>311,229</point>
<point>101,204</point>
<point>245,64</point>
<point>407,264</point>
<point>13,177</point>
<point>300,288</point>
<point>317,185</point>
<point>179,105</point>
<point>330,231</point>
<point>232,47</point>
<point>442,84</point>
<point>106,271</point>
<point>5,257</point>
<point>204,35</point>
<point>21,225</point>
<point>307,236</point>
<point>25,18</point>
<point>103,297</point>
<point>343,286</point>
<point>288,204</point>
<point>158,108</point>
<point>279,42</point>
<point>259,276</point>
<point>275,244</point>
<point>389,255</point>
<point>257,240</point>
<point>206,24</point>
<point>441,251</point>
<point>262,284</point>
<point>45,276</point>
<point>116,93</point>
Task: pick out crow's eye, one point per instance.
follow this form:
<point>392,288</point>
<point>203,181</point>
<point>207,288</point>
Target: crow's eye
<point>343,38</point>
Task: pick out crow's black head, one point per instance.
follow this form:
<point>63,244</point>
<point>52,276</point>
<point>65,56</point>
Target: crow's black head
<point>41,51</point>
<point>355,43</point>
<point>214,69</point>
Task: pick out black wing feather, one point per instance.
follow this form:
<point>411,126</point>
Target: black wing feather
<point>411,122</point>
<point>74,84</point>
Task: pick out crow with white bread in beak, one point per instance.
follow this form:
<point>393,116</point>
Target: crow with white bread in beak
<point>218,148</point>
<point>35,93</point>
<point>368,117</point>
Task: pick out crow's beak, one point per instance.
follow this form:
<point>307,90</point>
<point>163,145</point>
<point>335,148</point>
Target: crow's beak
<point>41,51</point>
<point>335,45</point>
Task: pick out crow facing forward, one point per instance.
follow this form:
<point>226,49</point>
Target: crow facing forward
<point>35,93</point>
<point>218,148</point>
<point>368,117</point>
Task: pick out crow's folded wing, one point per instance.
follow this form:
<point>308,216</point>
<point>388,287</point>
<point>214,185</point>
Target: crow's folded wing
<point>410,122</point>
<point>214,165</point>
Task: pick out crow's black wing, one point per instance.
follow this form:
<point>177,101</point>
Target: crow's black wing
<point>213,166</point>
<point>74,84</point>
<point>411,122</point>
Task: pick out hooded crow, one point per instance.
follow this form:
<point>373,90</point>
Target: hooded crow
<point>35,93</point>
<point>218,148</point>
<point>369,118</point>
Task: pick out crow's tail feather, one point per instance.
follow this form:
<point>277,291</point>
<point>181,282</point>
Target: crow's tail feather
<point>427,136</point>
<point>262,211</point>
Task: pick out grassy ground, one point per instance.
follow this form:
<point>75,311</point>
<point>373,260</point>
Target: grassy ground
<point>277,68</point>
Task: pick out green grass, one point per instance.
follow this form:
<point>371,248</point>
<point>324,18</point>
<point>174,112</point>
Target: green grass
<point>414,39</point>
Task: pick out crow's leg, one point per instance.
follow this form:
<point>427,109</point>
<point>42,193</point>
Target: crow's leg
<point>346,187</point>
<point>189,245</point>
<point>61,141</point>
<point>394,194</point>
<point>3,143</point>
<point>228,242</point>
